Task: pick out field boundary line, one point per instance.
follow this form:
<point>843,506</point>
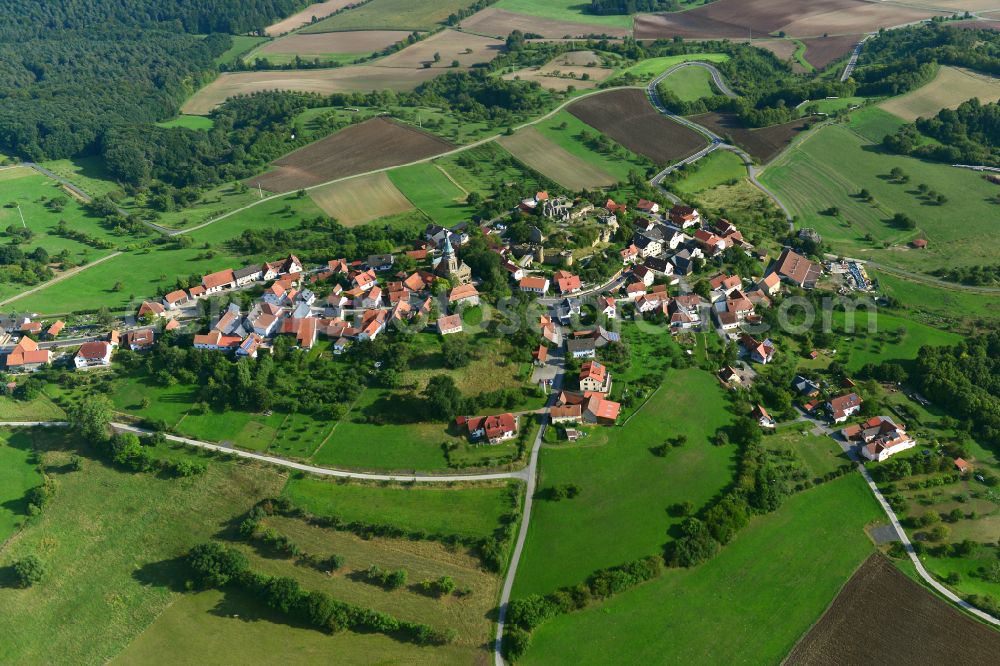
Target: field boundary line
<point>452,179</point>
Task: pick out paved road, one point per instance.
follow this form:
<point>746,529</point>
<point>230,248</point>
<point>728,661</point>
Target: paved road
<point>900,532</point>
<point>523,474</point>
<point>854,59</point>
<point>515,558</point>
<point>716,142</point>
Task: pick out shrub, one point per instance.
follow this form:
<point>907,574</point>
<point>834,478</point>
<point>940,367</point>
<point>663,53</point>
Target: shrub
<point>215,565</point>
<point>29,570</point>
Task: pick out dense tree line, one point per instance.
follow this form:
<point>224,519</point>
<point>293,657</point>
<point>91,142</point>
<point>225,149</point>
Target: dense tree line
<point>72,69</point>
<point>216,565</point>
<point>901,60</point>
<point>969,134</point>
<point>964,380</point>
<point>606,7</point>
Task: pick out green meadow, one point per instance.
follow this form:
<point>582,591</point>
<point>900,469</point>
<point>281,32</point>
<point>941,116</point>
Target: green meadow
<point>18,474</point>
<point>717,168</point>
<point>830,168</point>
<point>429,188</point>
<point>567,131</point>
<point>625,491</point>
<point>748,605</point>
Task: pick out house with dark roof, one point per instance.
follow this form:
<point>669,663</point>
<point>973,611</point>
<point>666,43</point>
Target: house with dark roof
<point>581,347</point>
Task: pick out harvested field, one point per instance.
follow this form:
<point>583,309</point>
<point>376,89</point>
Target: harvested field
<point>821,51</point>
<point>956,5</point>
<point>923,629</point>
<point>627,117</point>
<point>546,157</point>
<point>452,45</point>
<point>307,16</point>
<point>420,15</point>
<point>359,200</point>
<point>947,90</point>
<point>784,49</point>
<point>374,144</point>
<point>498,23</point>
<point>567,70</point>
<point>360,41</point>
<point>798,18</point>
<point>977,25</point>
<point>359,78</point>
<point>764,143</point>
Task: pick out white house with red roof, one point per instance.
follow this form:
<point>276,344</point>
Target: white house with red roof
<point>879,438</point>
<point>844,406</point>
<point>216,282</point>
<point>534,284</point>
<point>566,282</point>
<point>93,355</point>
<point>493,429</point>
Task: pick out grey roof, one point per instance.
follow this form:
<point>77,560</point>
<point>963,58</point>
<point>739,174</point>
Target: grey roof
<point>247,271</point>
<point>580,344</point>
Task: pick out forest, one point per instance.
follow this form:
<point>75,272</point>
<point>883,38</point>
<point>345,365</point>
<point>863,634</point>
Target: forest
<point>969,134</point>
<point>70,71</point>
<point>964,380</point>
<point>901,60</point>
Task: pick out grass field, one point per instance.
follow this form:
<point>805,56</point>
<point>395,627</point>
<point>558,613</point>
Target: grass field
<point>17,475</point>
<point>429,187</point>
<point>854,351</point>
<point>816,454</point>
<point>241,44</point>
<point>621,511</point>
<point>653,67</point>
<point>831,166</point>
<point>761,592</point>
<point>874,123</point>
<point>390,15</point>
<point>359,200</point>
<point>39,409</point>
<point>26,188</point>
<point>213,203</point>
<point>87,173</point>
<point>718,168</point>
<point>93,288</point>
<point>473,511</point>
<point>617,162</point>
<point>109,540</point>
<point>940,306</point>
<point>951,87</point>
<point>562,10</point>
<point>690,83</point>
<point>547,157</point>
<point>189,122</point>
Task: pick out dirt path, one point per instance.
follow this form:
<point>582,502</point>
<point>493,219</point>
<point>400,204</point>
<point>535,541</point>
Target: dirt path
<point>453,181</point>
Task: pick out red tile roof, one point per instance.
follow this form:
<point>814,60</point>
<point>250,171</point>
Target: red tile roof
<point>219,279</point>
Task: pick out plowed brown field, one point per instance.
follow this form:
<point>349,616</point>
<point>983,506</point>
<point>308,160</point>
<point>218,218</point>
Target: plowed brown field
<point>498,23</point>
<point>764,143</point>
<point>798,18</point>
<point>306,16</point>
<point>374,144</point>
<point>882,617</point>
<point>821,51</point>
<point>627,117</point>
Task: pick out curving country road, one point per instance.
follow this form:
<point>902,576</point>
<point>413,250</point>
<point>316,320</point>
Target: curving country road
<point>716,142</point>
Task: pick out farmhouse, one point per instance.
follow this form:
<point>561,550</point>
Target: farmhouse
<point>565,413</point>
<point>795,268</point>
<point>248,274</point>
<point>599,410</point>
<point>757,351</point>
<point>26,355</point>
<point>449,324</point>
<point>763,419</point>
<point>595,377</point>
<point>93,355</point>
<point>175,299</point>
<point>648,207</point>
<point>216,282</point>
<point>214,340</point>
<point>139,339</point>
<point>151,309</point>
<point>684,216</point>
<point>879,438</point>
<point>493,429</point>
<point>843,406</point>
<point>581,347</point>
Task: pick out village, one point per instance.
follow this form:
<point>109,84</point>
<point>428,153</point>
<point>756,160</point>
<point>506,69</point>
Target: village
<point>351,301</point>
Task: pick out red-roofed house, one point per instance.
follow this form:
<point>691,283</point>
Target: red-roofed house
<point>599,410</point>
<point>630,255</point>
<point>26,355</point>
<point>139,340</point>
<point>464,294</point>
<point>151,308</point>
<point>533,284</point>
<point>493,429</point>
<point>449,324</point>
<point>648,207</point>
<point>214,340</point>
<point>175,299</point>
<point>595,377</point>
<point>216,282</point>
<point>565,413</point>
<point>684,216</point>
<point>566,282</point>
<point>762,417</point>
<point>93,355</point>
<point>843,406</point>
<point>55,329</point>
